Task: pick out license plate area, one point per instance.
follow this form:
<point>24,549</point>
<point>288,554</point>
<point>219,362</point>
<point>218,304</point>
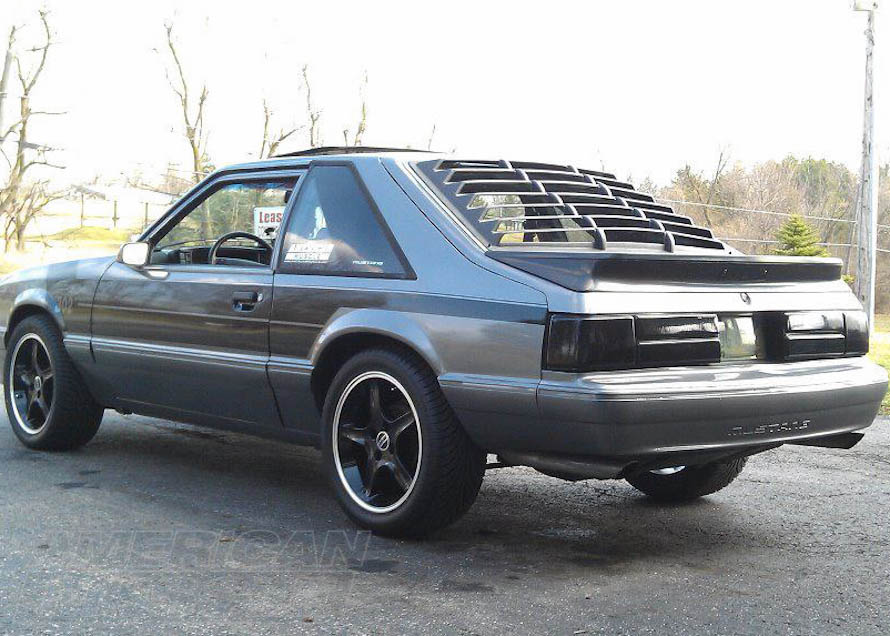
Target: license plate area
<point>739,339</point>
<point>792,336</point>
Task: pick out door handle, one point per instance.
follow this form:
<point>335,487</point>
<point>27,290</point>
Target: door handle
<point>245,301</point>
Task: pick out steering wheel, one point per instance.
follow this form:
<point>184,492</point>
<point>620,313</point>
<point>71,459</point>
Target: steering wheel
<point>212,258</point>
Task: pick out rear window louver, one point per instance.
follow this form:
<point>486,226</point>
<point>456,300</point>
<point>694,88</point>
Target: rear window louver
<point>520,203</point>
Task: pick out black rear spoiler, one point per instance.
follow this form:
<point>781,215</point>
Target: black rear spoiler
<point>581,271</point>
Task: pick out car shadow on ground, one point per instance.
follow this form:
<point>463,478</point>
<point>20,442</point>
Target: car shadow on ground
<point>522,522</point>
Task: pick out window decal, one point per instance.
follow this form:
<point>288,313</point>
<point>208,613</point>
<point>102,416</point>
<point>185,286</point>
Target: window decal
<point>309,252</point>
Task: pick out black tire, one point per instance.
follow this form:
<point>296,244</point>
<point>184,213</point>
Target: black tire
<point>449,467</point>
<point>690,483</point>
<point>73,416</point>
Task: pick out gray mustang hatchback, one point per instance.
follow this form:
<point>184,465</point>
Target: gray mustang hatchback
<point>409,313</point>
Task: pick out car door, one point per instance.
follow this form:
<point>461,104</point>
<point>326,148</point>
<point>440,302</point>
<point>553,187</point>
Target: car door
<point>185,338</point>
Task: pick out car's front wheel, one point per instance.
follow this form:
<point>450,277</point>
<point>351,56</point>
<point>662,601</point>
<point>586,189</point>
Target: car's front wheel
<point>48,405</point>
<point>397,458</point>
<point>684,483</point>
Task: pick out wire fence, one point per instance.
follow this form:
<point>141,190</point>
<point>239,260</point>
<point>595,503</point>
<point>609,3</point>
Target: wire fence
<point>127,214</point>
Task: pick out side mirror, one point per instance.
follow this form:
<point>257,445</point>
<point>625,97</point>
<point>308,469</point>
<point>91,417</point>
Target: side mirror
<point>134,254</point>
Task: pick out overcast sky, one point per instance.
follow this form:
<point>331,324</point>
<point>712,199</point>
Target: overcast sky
<point>640,87</point>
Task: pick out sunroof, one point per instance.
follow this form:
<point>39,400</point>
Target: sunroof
<point>516,203</point>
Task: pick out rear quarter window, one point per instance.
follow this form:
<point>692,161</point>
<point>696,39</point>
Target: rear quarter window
<point>335,229</point>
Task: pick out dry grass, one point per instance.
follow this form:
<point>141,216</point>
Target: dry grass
<point>879,351</point>
<point>65,245</point>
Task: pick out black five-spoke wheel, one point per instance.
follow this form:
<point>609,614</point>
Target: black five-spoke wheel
<point>377,441</point>
<point>31,373</point>
<point>398,460</point>
<point>49,406</point>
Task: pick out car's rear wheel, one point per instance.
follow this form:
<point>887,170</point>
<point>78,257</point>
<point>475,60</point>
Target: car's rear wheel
<point>48,405</point>
<point>684,483</point>
<point>398,460</point>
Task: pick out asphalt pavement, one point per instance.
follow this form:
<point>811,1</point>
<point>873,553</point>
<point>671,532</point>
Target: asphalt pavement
<point>159,528</point>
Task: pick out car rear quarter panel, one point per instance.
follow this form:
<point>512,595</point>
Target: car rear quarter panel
<point>470,324</point>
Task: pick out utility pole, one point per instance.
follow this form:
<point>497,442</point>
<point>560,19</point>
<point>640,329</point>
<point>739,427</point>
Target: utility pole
<point>4,79</point>
<point>867,203</point>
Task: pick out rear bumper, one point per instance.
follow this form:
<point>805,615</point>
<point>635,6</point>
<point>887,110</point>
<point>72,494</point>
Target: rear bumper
<point>640,414</point>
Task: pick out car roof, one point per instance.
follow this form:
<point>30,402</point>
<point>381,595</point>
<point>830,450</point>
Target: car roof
<point>329,153</point>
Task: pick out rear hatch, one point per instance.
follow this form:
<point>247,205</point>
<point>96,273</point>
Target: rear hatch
<point>629,255</point>
<point>582,229</point>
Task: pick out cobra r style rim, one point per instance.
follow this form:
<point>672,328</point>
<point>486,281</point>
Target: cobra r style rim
<point>377,442</point>
<point>31,384</point>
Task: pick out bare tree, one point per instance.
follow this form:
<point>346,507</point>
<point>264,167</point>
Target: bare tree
<point>192,119</point>
<point>271,142</point>
<point>32,199</point>
<point>363,117</point>
<point>363,120</point>
<point>20,201</point>
<point>314,115</point>
<point>192,110</point>
<point>696,188</point>
<point>429,143</point>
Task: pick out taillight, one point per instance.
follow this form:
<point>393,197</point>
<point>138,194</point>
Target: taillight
<point>825,334</point>
<point>583,343</point>
<point>578,343</point>
<point>672,340</point>
<point>856,331</point>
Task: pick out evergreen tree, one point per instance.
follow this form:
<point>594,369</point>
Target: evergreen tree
<point>798,238</point>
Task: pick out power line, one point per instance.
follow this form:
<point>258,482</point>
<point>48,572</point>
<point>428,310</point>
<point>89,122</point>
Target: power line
<point>883,226</point>
<point>773,241</point>
<point>734,209</point>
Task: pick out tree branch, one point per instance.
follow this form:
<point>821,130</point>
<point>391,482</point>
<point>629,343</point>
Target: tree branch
<point>363,120</point>
<point>314,115</point>
<point>193,123</point>
<point>48,112</point>
<point>41,162</point>
<point>429,143</point>
<point>185,90</point>
<point>29,82</point>
<point>267,114</point>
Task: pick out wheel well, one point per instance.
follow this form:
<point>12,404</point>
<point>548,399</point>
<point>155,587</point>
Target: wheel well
<point>20,313</point>
<point>340,350</point>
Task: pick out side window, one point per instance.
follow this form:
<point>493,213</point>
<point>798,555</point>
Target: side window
<point>334,229</point>
<point>253,206</point>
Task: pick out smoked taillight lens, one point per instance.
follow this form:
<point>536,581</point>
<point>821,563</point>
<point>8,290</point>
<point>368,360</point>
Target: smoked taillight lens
<point>856,331</point>
<point>579,343</point>
<point>584,343</point>
<point>825,334</point>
